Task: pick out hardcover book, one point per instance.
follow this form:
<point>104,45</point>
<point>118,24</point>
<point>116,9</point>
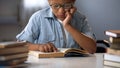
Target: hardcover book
<point>112,64</point>
<point>13,56</point>
<point>13,50</point>
<point>115,46</point>
<point>63,52</point>
<point>112,57</point>
<point>13,62</point>
<point>114,40</point>
<point>113,51</point>
<point>11,44</point>
<point>113,33</point>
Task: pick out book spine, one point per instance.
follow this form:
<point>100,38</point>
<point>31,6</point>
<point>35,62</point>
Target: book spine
<point>13,62</point>
<point>10,57</point>
<point>115,46</point>
<point>112,64</point>
<point>111,57</point>
<point>11,44</point>
<point>13,50</point>
<point>110,34</point>
<point>114,40</point>
<point>113,51</point>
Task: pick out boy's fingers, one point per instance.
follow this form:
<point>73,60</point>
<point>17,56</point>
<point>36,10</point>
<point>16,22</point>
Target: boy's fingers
<point>72,10</point>
<point>54,49</point>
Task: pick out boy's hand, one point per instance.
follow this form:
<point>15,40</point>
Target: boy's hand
<point>69,14</point>
<point>49,47</point>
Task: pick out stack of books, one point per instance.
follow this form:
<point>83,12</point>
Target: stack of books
<point>13,53</point>
<point>112,56</point>
<point>114,38</point>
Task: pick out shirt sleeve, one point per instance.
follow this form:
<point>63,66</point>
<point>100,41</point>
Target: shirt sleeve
<point>80,22</point>
<point>31,31</point>
<point>87,30</point>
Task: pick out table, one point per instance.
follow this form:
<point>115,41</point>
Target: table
<point>95,61</point>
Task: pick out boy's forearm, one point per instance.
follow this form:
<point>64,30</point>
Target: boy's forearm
<point>84,41</point>
<point>32,47</point>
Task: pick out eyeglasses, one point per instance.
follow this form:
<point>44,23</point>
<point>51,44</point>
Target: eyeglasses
<point>65,6</point>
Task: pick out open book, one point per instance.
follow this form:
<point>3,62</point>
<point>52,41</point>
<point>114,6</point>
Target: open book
<point>62,52</point>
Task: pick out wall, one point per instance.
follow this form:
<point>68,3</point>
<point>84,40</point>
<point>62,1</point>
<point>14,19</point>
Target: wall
<point>9,19</point>
<point>14,16</point>
<point>8,32</point>
<point>27,8</point>
<point>102,15</point>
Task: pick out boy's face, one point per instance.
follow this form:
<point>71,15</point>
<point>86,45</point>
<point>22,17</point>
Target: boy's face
<point>59,7</point>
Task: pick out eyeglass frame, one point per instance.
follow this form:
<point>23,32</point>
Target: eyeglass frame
<point>63,6</point>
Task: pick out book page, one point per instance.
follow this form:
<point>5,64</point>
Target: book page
<point>65,50</point>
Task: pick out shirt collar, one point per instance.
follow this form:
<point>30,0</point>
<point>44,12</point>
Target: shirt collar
<point>59,20</point>
<point>48,13</point>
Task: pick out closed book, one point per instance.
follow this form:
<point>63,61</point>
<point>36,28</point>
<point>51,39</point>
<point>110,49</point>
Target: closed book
<point>63,52</point>
<point>111,64</point>
<point>113,33</point>
<point>11,44</point>
<point>113,51</point>
<point>13,62</point>
<point>13,56</point>
<point>112,57</point>
<point>13,50</point>
<point>115,46</point>
<point>111,60</point>
<point>114,40</point>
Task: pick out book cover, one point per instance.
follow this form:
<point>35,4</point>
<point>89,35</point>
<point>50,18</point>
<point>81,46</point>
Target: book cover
<point>112,64</point>
<point>112,57</point>
<point>113,33</point>
<point>113,51</point>
<point>114,40</point>
<point>111,60</point>
<point>13,50</point>
<point>11,44</point>
<point>63,52</point>
<point>115,46</point>
<point>13,56</point>
<point>13,62</point>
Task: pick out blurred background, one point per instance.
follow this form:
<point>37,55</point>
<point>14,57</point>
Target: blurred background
<point>102,15</point>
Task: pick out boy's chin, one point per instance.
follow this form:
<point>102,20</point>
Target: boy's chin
<point>61,19</point>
